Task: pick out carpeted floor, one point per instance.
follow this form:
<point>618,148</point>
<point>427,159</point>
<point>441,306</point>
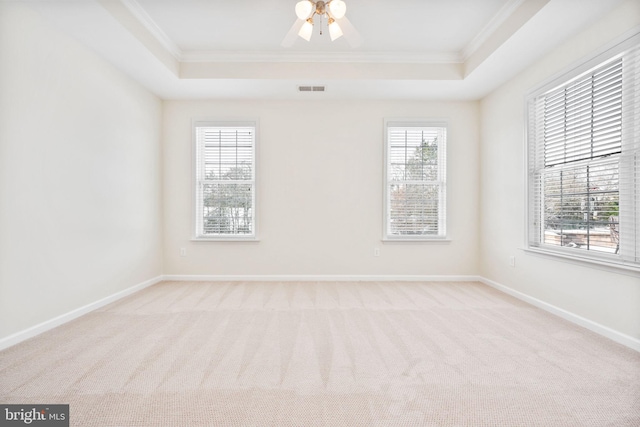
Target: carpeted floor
<point>325,354</point>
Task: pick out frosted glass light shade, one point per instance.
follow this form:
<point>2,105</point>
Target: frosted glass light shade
<point>335,31</point>
<point>304,9</point>
<point>338,8</point>
<point>306,30</point>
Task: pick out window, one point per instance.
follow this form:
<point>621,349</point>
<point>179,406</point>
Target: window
<point>584,163</point>
<point>225,180</point>
<point>415,186</point>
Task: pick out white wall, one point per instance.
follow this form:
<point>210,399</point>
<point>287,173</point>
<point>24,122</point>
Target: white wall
<point>607,298</point>
<point>80,200</point>
<point>320,186</point>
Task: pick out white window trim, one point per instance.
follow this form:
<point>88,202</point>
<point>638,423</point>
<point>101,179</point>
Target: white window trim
<point>196,224</point>
<point>443,213</point>
<point>598,260</point>
<point>598,263</point>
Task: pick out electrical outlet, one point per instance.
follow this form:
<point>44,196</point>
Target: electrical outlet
<point>376,251</point>
<point>183,251</point>
<point>512,261</point>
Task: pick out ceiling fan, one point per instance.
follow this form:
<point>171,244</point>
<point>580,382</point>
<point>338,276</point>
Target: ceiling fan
<point>333,11</point>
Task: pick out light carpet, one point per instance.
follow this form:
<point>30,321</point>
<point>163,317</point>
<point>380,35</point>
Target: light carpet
<point>325,354</point>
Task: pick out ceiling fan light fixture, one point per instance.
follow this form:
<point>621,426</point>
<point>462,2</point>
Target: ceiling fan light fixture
<point>337,8</point>
<point>331,10</point>
<point>334,29</point>
<point>304,9</point>
<point>306,30</point>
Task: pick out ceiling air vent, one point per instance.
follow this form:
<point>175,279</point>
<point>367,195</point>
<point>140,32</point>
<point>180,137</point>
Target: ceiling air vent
<point>311,88</point>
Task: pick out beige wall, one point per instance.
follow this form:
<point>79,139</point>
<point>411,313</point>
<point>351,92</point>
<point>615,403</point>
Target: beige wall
<point>82,185</point>
<point>320,183</point>
<point>611,299</point>
<point>80,197</point>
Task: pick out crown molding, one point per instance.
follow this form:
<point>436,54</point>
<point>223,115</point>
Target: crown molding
<point>143,17</point>
<point>289,56</point>
<point>498,19</point>
<point>322,57</point>
<point>328,57</point>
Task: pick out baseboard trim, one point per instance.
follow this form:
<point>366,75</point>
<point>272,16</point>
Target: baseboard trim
<point>317,278</point>
<point>74,314</point>
<point>605,331</point>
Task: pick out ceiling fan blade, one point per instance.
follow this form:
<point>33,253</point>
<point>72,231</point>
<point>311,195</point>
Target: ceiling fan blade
<point>291,36</point>
<point>352,35</point>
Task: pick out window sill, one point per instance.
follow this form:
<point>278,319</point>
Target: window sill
<point>416,241</point>
<point>226,239</point>
<point>612,266</point>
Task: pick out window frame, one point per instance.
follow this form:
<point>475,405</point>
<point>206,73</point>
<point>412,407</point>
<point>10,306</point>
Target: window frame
<point>580,70</point>
<point>442,236</point>
<point>198,223</point>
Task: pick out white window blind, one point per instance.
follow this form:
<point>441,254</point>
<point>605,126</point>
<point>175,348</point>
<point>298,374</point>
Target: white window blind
<point>415,188</point>
<point>225,180</point>
<point>584,163</point>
